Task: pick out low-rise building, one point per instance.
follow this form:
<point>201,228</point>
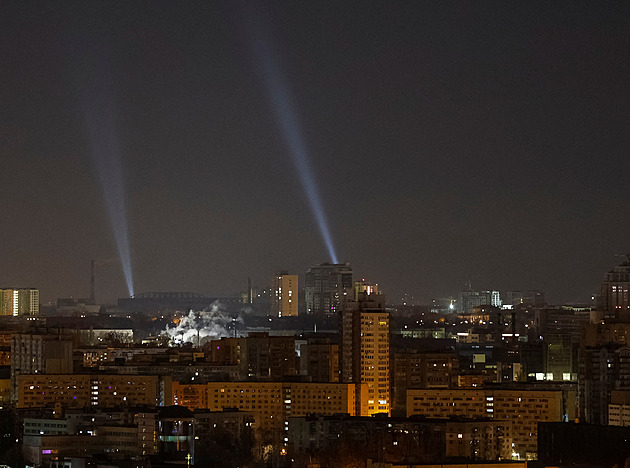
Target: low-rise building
<point>83,390</point>
<point>521,410</point>
<point>619,408</point>
<point>271,402</point>
<point>392,439</point>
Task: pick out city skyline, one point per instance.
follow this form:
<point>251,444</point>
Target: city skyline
<point>447,143</point>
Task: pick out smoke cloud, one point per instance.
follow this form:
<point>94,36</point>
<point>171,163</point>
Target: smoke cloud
<point>198,327</point>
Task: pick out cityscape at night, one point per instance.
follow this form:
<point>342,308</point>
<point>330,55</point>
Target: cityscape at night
<point>315,234</point>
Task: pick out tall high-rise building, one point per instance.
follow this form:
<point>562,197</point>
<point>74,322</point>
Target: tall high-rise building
<point>19,301</point>
<point>326,287</point>
<point>364,352</point>
<point>614,293</point>
<point>285,295</point>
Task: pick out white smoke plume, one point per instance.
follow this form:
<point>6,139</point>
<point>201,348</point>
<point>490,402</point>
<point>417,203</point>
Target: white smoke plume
<point>202,326</point>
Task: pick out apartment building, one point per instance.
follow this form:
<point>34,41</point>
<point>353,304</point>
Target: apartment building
<point>83,390</point>
<point>270,402</point>
<point>521,410</point>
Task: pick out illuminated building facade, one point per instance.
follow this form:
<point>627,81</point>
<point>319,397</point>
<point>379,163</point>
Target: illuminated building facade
<point>364,351</point>
<point>522,410</point>
<point>326,287</point>
<point>270,402</point>
<point>285,299</point>
<point>19,301</point>
<point>83,390</point>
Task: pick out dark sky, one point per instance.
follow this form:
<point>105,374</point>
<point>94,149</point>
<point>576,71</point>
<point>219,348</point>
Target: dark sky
<point>450,141</point>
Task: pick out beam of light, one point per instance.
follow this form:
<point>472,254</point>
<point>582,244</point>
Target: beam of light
<point>96,104</point>
<point>280,99</point>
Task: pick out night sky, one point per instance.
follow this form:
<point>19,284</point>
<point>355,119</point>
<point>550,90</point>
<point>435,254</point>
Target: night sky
<point>450,141</point>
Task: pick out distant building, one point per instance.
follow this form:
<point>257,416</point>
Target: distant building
<point>619,408</point>
<point>443,306</point>
<point>151,302</point>
<point>319,360</point>
<point>268,357</point>
<point>39,354</point>
<point>67,306</point>
<point>602,369</point>
<point>364,351</point>
<point>285,295</point>
<point>558,353</point>
<point>604,366</point>
<point>531,298</point>
<point>562,319</point>
<point>614,292</point>
<point>19,301</point>
<point>521,410</point>
<point>95,390</point>
<point>468,300</point>
<point>414,369</point>
<point>326,287</point>
<point>408,299</point>
<point>595,446</point>
<point>257,356</point>
<point>395,439</point>
<point>272,403</point>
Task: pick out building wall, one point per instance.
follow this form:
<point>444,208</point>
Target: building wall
<point>531,298</point>
<point>320,361</point>
<point>602,369</point>
<point>326,287</point>
<point>81,390</point>
<point>364,353</point>
<point>285,290</point>
<point>271,402</point>
<point>615,292</point>
<point>619,408</point>
<point>5,392</point>
<point>147,432</point>
<point>521,409</point>
<point>267,357</point>
<point>468,300</point>
<point>478,440</point>
<point>37,353</point>
<point>375,464</point>
<point>39,426</point>
<point>40,450</point>
<point>400,438</point>
<point>21,301</point>
<point>421,370</point>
